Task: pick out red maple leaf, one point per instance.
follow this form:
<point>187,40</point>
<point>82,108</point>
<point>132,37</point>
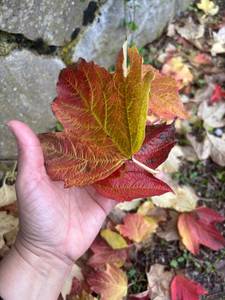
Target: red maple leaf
<point>218,94</point>
<point>198,228</point>
<point>130,181</point>
<point>183,288</point>
<point>104,254</point>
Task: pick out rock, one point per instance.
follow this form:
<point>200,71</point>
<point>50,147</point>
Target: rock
<point>52,20</point>
<point>103,38</point>
<point>101,23</point>
<point>27,84</point>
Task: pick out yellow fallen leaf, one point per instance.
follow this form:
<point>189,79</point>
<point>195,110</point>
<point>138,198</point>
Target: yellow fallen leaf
<point>137,228</point>
<point>179,70</point>
<point>208,7</point>
<point>183,200</point>
<point>145,207</point>
<point>114,239</point>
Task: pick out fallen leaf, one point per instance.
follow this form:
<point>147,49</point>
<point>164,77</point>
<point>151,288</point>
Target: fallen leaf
<point>129,205</point>
<point>74,273</point>
<point>141,296</point>
<point>198,228</point>
<point>145,208</point>
<point>114,239</point>
<point>164,99</point>
<point>174,160</point>
<point>8,223</point>
<point>202,148</point>
<point>183,199</point>
<point>130,181</point>
<point>82,296</point>
<point>111,284</point>
<point>159,282</point>
<point>7,194</point>
<point>218,94</point>
<point>103,254</point>
<point>183,288</point>
<point>168,230</point>
<point>202,59</point>
<point>191,31</point>
<point>208,7</point>
<point>212,115</point>
<point>89,101</point>
<point>137,227</point>
<point>218,46</point>
<point>217,149</point>
<point>179,70</point>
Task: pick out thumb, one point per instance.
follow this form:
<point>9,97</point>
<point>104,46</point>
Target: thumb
<point>30,155</point>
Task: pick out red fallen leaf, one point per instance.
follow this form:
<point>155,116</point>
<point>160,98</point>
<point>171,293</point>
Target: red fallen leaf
<point>111,284</point>
<point>202,59</point>
<point>218,94</point>
<point>137,227</point>
<point>104,254</point>
<point>183,288</point>
<point>130,181</point>
<point>164,97</point>
<point>141,296</point>
<point>198,228</point>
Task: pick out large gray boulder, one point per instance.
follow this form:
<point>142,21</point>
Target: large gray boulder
<point>52,20</point>
<point>27,87</point>
<point>104,37</point>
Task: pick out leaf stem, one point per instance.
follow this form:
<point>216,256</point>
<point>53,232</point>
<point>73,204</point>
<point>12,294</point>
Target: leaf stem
<point>144,167</point>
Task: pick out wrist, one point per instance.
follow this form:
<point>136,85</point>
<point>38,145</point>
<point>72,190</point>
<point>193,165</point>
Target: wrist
<point>42,260</point>
<point>33,273</point>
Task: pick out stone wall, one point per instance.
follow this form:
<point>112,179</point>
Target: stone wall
<point>37,38</point>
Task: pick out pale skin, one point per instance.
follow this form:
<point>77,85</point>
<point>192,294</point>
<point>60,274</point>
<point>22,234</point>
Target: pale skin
<point>57,226</point>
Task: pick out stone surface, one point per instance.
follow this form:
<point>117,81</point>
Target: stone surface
<point>27,87</point>
<point>52,20</point>
<point>104,37</point>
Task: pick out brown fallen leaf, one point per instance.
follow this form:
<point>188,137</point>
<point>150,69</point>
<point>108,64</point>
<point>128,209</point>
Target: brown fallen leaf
<point>159,282</point>
<point>7,194</point>
<point>168,231</point>
<point>202,149</point>
<point>191,31</point>
<point>212,115</point>
<point>217,152</point>
<point>8,223</point>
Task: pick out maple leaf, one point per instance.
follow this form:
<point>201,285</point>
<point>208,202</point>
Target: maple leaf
<point>89,101</point>
<point>164,97</point>
<point>202,59</point>
<point>137,227</point>
<point>198,227</point>
<point>130,181</point>
<point>208,7</point>
<point>114,239</point>
<point>180,71</point>
<point>103,254</point>
<point>183,288</point>
<point>111,284</point>
<point>218,94</point>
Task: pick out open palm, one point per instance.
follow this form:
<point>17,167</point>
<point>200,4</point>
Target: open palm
<point>61,221</point>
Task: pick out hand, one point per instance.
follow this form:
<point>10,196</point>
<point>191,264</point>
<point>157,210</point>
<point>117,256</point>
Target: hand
<point>63,222</point>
